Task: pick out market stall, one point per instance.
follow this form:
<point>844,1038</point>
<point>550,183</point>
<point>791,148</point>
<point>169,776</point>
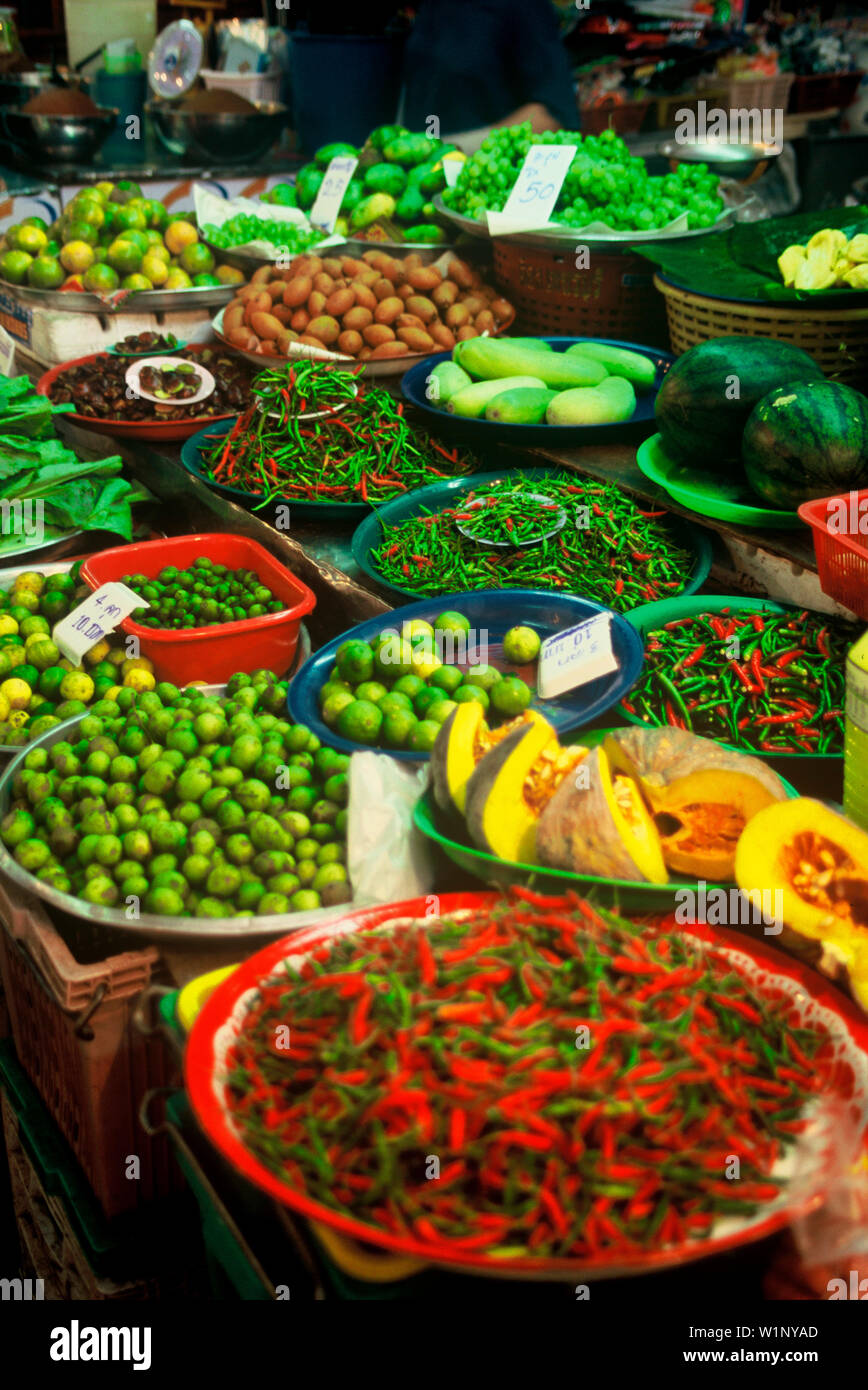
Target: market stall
<point>433,689</point>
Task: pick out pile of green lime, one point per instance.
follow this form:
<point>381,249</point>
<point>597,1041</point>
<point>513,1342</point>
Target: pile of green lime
<point>204,595</point>
<point>38,686</point>
<point>397,691</point>
<point>183,804</point>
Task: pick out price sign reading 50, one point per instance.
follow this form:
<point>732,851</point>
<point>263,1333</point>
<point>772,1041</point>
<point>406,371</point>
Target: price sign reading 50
<point>536,189</point>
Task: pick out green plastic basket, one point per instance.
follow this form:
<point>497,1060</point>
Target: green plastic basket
<point>668,610</point>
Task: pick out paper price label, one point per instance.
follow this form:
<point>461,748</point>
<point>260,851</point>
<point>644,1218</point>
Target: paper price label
<point>535,191</point>
<point>7,351</point>
<point>93,619</point>
<point>452,166</point>
<point>576,656</point>
<point>324,212</point>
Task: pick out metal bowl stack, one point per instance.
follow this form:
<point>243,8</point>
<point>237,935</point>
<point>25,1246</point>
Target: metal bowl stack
<point>48,137</point>
<point>229,137</point>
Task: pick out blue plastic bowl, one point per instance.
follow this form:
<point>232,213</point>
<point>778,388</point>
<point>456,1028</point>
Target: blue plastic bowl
<point>368,534</point>
<point>494,611</point>
<point>476,434</point>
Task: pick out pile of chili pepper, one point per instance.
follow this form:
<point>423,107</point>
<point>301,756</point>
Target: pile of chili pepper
<point>510,518</point>
<point>609,550</point>
<point>303,388</point>
<point>366,452</point>
<point>530,1075</point>
<point>771,682</point>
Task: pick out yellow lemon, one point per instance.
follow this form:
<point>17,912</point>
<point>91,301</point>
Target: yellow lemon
<point>7,625</point>
<point>76,685</point>
<point>139,680</point>
<point>5,707</point>
<point>423,661</point>
<point>137,663</point>
<point>32,580</point>
<point>18,718</point>
<point>178,235</point>
<point>97,653</point>
<point>17,692</point>
<point>112,692</point>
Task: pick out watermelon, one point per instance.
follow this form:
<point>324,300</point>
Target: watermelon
<point>806,439</point>
<point>707,395</point>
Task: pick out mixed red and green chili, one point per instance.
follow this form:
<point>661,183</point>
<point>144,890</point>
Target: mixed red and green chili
<point>529,1077</point>
<point>610,549</point>
<point>772,682</point>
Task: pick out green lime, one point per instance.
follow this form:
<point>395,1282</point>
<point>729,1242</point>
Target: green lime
<point>335,705</point>
<point>397,728</point>
<point>451,621</point>
<point>483,676</point>
<point>360,721</point>
<point>395,701</point>
<point>408,685</point>
<point>446,678</point>
<point>423,735</point>
<point>466,693</point>
<point>371,690</point>
<point>440,710</point>
<point>430,695</point>
<point>521,645</point>
<point>355,661</point>
<point>510,695</point>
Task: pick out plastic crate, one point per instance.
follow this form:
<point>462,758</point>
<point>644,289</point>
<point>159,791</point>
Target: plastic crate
<point>65,1240</point>
<point>70,1023</point>
<point>840,529</point>
<point>824,91</point>
<point>210,654</point>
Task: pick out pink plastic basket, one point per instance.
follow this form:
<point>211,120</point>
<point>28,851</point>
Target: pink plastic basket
<point>840,527</point>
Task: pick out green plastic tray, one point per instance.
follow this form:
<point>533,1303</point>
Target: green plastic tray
<point>622,893</point>
<point>708,494</point>
<point>668,610</point>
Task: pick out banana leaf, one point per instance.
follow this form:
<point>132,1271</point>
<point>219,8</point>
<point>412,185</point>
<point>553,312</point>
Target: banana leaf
<point>741,262</point>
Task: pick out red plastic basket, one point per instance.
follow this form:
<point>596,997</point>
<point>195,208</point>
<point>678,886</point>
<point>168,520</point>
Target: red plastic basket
<point>840,527</point>
<point>210,654</point>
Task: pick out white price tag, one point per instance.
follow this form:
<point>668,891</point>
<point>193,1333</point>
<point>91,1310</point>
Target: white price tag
<point>327,204</point>
<point>535,191</point>
<point>7,351</point>
<point>93,619</point>
<point>576,656</point>
<point>452,166</point>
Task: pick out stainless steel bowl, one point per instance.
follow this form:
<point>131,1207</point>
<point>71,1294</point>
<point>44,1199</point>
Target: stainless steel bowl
<point>229,137</point>
<point>62,139</point>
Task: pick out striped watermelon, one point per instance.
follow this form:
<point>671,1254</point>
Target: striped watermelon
<point>806,439</point>
<point>706,396</point>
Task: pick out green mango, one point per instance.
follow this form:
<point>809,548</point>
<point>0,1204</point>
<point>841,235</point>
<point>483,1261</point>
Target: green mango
<point>632,366</point>
<point>612,401</point>
<point>410,205</point>
<point>385,178</point>
<point>353,195</point>
<point>426,232</point>
<point>326,153</point>
<point>372,209</point>
<point>385,134</point>
<point>307,182</point>
<point>524,405</point>
<point>445,381</point>
<point>408,150</point>
<point>471,401</point>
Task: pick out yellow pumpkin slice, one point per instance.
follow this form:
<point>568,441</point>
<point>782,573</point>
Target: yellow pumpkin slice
<point>463,741</point>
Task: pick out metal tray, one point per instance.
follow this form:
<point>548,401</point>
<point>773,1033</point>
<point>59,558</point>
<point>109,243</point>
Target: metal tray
<point>121,301</point>
<point>567,236</point>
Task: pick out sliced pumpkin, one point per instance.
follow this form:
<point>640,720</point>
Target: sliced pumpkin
<point>599,824</point>
<point>511,786</point>
<point>816,864</point>
<point>701,795</point>
<point>463,741</point>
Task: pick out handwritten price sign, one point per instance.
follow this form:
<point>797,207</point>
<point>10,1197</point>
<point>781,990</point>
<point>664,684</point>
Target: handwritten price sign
<point>576,656</point>
<point>93,619</point>
<point>324,212</point>
<point>535,191</point>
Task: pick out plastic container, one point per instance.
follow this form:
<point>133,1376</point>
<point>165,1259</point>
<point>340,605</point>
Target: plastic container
<point>841,549</point>
<point>254,86</point>
<point>70,1022</point>
<point>210,654</point>
<point>65,1239</point>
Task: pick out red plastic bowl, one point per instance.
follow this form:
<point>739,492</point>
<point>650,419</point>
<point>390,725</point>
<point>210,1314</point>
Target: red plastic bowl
<point>165,430</point>
<point>210,654</point>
